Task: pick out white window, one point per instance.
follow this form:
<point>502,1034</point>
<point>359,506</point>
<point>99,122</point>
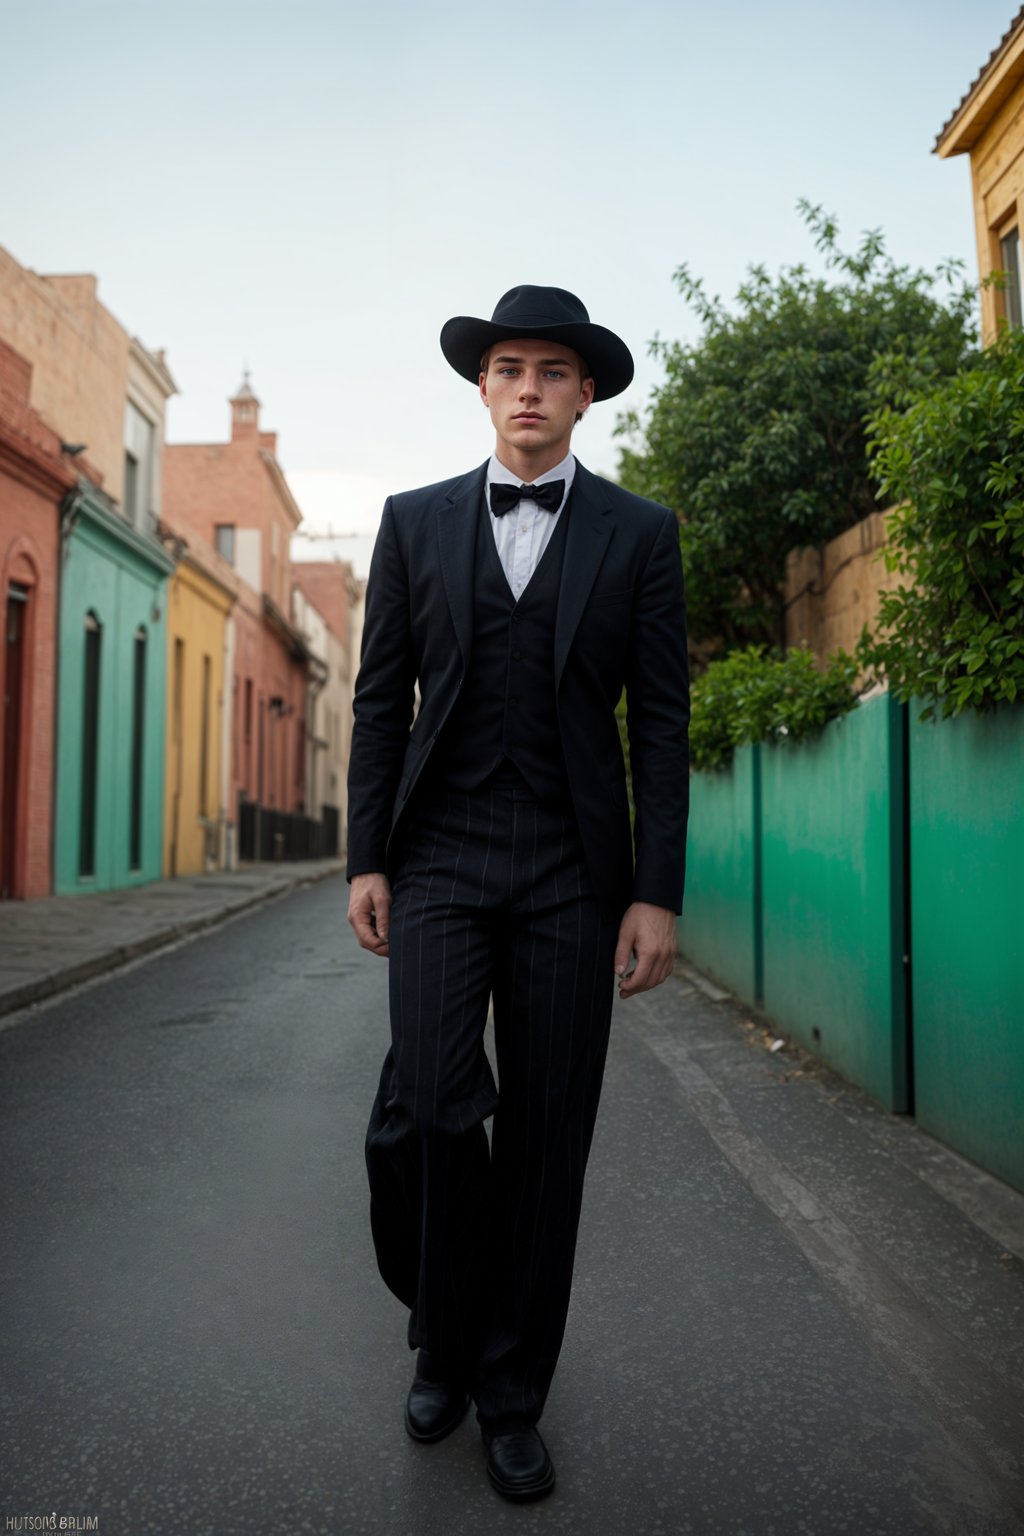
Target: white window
<point>139,434</point>
<point>224,535</point>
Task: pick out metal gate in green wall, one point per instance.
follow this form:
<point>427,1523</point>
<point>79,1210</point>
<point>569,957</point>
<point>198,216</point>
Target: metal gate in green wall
<point>834,898</point>
<point>720,927</point>
<point>967,932</point>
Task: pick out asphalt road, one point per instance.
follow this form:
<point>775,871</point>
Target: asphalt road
<point>779,1327</point>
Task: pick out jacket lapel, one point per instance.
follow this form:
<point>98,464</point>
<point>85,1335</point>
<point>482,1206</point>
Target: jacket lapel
<point>587,539</point>
<point>456,540</point>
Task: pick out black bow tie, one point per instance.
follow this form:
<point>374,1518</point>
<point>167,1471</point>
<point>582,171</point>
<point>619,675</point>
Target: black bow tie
<point>505,497</point>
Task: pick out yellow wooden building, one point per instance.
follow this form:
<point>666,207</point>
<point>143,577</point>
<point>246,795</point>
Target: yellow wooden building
<point>199,634</point>
<point>988,125</point>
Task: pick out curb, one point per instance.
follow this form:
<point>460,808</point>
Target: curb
<point>45,987</point>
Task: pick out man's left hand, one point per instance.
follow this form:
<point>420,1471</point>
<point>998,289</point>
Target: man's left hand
<point>649,933</point>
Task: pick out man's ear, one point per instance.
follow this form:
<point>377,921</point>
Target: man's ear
<point>483,388</point>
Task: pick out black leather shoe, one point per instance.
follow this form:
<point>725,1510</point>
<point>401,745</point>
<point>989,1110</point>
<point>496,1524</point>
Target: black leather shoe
<point>518,1463</point>
<point>434,1407</point>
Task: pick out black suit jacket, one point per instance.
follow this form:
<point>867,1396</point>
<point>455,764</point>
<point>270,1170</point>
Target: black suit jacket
<point>621,622</point>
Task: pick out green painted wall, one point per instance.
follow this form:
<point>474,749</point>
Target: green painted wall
<point>967,926</point>
<point>834,934</point>
<point>717,930</point>
<point>120,577</point>
<point>877,803</point>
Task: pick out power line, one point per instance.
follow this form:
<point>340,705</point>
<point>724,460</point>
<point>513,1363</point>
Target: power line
<point>301,533</point>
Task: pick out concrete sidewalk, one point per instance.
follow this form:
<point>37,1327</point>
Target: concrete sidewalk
<point>50,945</point>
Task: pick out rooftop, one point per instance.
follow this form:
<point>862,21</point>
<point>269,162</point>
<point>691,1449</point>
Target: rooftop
<point>1003,68</point>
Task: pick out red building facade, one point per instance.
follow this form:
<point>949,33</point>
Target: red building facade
<point>35,475</point>
<point>235,496</point>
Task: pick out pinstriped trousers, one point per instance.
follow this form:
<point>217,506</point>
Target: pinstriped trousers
<point>491,898</point>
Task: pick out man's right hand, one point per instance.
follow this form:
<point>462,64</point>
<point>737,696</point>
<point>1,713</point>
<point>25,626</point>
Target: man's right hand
<point>369,911</point>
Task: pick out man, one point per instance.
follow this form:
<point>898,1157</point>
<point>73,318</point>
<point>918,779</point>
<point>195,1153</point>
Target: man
<point>491,858</point>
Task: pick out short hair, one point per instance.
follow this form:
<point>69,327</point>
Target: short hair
<point>585,372</point>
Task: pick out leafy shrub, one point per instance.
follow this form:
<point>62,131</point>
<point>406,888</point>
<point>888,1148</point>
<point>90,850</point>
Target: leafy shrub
<point>757,437</point>
<point>952,455</point>
<point>752,696</point>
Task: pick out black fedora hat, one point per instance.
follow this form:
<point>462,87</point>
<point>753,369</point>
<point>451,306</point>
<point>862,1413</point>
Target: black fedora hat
<point>546,314</point>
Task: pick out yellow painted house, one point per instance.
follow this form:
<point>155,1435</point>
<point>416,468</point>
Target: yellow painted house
<point>200,633</point>
<point>988,125</point>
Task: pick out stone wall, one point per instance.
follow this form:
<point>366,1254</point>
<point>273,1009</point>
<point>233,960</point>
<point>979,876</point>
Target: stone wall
<point>832,592</point>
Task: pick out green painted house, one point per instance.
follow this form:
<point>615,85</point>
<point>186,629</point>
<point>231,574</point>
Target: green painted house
<point>111,691</point>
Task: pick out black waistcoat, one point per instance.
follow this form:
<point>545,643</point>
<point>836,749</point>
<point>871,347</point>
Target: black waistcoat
<point>506,707</point>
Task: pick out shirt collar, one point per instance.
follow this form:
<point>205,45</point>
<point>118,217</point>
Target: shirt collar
<point>496,471</point>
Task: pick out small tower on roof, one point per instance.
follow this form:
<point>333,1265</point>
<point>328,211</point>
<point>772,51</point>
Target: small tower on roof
<point>245,410</point>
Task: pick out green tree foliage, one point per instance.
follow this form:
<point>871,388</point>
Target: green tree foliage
<point>753,695</point>
<point>757,435</point>
<point>952,455</point>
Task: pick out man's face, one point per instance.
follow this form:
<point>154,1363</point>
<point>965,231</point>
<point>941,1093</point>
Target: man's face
<point>534,391</point>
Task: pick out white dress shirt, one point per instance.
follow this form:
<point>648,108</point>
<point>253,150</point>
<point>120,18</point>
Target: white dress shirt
<point>522,535</point>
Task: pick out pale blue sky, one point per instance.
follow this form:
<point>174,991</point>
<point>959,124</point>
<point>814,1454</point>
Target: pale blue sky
<point>314,188</point>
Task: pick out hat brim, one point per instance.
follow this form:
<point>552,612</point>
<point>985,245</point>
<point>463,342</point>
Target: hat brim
<point>464,340</point>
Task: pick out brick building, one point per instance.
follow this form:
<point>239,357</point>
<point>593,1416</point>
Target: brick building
<point>234,496</point>
<point>96,391</point>
<point>331,586</point>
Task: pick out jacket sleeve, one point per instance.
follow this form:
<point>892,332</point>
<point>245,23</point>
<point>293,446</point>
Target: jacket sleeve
<point>657,721</point>
<point>383,704</point>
